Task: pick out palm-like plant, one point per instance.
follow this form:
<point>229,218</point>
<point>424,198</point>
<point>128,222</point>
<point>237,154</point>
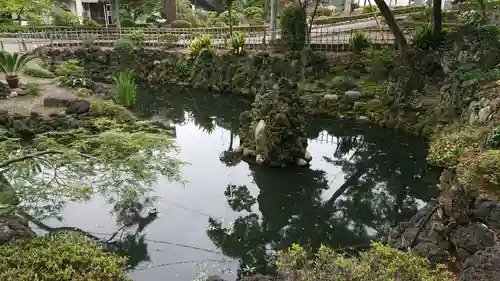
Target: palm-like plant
<point>11,65</point>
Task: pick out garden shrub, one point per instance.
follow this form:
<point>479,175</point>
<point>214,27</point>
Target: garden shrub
<point>378,263</point>
<point>381,63</point>
<point>423,37</point>
<point>224,17</point>
<point>200,44</point>
<point>238,43</point>
<point>446,148</point>
<point>75,82</point>
<point>68,67</point>
<point>484,169</point>
<point>35,70</point>
<point>293,26</point>
<point>358,42</point>
<point>123,45</point>
<point>137,37</point>
<point>90,22</point>
<point>343,83</point>
<point>110,109</point>
<point>253,14</point>
<point>62,17</point>
<point>181,24</point>
<point>323,12</point>
<point>62,256</point>
<point>493,140</point>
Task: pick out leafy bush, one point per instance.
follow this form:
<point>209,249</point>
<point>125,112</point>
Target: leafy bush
<point>253,13</point>
<point>200,44</point>
<point>238,43</point>
<point>343,83</point>
<point>90,22</point>
<point>34,70</point>
<point>124,88</point>
<point>381,63</point>
<point>33,89</point>
<point>62,256</point>
<point>423,37</point>
<point>75,82</point>
<point>65,17</point>
<point>293,26</point>
<point>224,17</point>
<point>68,67</point>
<point>127,22</point>
<point>368,9</point>
<point>484,169</point>
<point>493,140</point>
<point>180,24</point>
<point>123,45</point>
<point>446,148</point>
<point>137,37</point>
<point>111,110</point>
<point>379,263</point>
<point>324,12</point>
<point>358,42</point>
<point>88,40</point>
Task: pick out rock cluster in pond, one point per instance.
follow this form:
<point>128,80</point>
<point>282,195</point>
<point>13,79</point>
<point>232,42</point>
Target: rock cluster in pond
<point>14,229</point>
<point>460,229</point>
<point>273,131</point>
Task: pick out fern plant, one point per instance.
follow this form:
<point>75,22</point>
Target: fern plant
<point>238,43</point>
<point>11,65</point>
<point>359,42</point>
<point>200,44</point>
<point>493,140</point>
<point>124,88</point>
<point>423,37</point>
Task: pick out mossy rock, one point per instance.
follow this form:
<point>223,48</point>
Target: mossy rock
<point>63,256</point>
<point>343,83</point>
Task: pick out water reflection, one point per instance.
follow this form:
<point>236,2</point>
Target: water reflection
<point>382,180</point>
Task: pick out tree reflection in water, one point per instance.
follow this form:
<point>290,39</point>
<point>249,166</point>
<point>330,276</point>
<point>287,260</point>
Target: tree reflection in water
<point>385,177</point>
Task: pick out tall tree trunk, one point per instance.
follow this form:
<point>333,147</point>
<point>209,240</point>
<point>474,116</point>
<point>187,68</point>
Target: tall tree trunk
<point>116,12</point>
<point>169,7</point>
<point>308,40</point>
<point>399,37</point>
<point>230,23</point>
<point>438,17</point>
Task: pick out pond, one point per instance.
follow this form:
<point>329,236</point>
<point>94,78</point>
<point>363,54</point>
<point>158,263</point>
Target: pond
<point>228,218</point>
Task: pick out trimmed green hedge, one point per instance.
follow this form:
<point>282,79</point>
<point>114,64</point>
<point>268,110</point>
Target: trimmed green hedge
<point>63,256</point>
<point>396,11</point>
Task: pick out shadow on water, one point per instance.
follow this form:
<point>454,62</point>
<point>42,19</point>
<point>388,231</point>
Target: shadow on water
<point>363,181</point>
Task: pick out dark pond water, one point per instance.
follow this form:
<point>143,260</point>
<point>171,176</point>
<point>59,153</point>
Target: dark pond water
<point>228,218</point>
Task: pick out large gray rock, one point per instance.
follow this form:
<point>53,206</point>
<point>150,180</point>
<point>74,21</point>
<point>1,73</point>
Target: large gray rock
<point>482,266</point>
<point>472,238</point>
<point>58,99</point>
<point>78,107</point>
<point>352,96</point>
<point>12,229</point>
<point>331,97</point>
<point>488,212</point>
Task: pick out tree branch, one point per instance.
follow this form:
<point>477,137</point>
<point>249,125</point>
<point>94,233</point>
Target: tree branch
<point>422,225</point>
<point>28,156</point>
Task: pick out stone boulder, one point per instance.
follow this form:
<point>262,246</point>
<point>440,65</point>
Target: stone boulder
<point>58,99</point>
<point>78,107</point>
<point>12,229</point>
<point>215,278</point>
<point>488,212</point>
<point>352,96</point>
<point>258,277</point>
<point>471,238</point>
<point>482,266</point>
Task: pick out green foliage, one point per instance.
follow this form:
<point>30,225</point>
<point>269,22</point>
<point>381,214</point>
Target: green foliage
<point>12,64</point>
<point>423,37</point>
<point>62,256</point>
<point>127,22</point>
<point>224,17</point>
<point>369,9</point>
<point>68,67</point>
<point>379,263</point>
<point>88,40</point>
<point>90,22</point>
<point>123,45</point>
<point>238,43</point>
<point>137,37</point>
<point>493,140</point>
<point>483,170</point>
<point>343,83</point>
<point>446,148</point>
<point>253,14</point>
<point>181,24</point>
<point>358,42</point>
<point>124,88</point>
<point>480,75</point>
<point>324,12</point>
<point>381,63</point>
<point>293,26</point>
<point>33,89</point>
<point>112,110</point>
<point>34,70</point>
<point>64,17</point>
<point>74,82</point>
<point>200,44</point>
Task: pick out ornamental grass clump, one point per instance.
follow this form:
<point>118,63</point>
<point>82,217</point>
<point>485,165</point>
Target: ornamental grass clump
<point>125,89</point>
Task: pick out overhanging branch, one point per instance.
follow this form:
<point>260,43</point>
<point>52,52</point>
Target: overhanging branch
<point>28,156</point>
